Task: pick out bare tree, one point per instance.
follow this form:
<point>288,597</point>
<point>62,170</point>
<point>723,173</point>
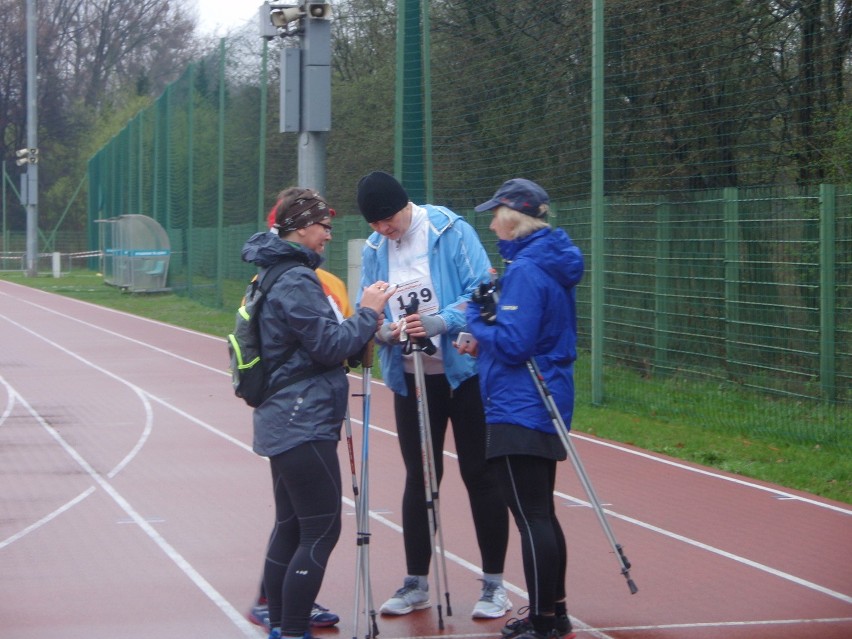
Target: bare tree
<point>93,57</point>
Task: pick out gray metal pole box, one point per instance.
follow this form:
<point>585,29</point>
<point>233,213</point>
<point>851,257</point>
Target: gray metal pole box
<point>290,98</point>
<point>316,42</point>
<point>316,98</point>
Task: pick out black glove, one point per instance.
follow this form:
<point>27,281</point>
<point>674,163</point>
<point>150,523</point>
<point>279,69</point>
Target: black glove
<point>484,297</point>
<point>488,311</point>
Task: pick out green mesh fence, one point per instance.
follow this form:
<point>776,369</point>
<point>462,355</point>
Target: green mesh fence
<point>727,218</point>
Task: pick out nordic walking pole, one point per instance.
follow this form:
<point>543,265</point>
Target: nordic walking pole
<point>430,481</point>
<point>562,430</point>
<point>357,500</point>
<point>347,421</point>
<point>362,508</point>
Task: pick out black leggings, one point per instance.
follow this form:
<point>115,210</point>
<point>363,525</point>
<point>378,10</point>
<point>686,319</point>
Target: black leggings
<point>462,406</point>
<point>527,485</point>
<point>306,483</point>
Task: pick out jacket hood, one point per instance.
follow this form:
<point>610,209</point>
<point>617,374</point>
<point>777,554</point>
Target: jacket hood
<point>440,219</point>
<point>265,249</point>
<point>551,250</point>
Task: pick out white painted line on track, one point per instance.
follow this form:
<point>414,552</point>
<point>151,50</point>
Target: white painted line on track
<point>722,553</point>
<point>47,518</point>
<point>599,442</point>
<point>170,354</point>
<point>692,542</point>
<point>194,576</point>
<point>673,626</point>
<point>592,440</point>
<point>730,624</point>
<point>113,311</point>
<point>714,475</point>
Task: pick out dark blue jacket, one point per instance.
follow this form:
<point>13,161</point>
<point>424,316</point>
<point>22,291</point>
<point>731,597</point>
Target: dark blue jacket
<point>297,311</point>
<point>536,317</point>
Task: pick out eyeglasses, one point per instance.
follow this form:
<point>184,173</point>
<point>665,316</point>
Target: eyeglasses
<point>327,227</point>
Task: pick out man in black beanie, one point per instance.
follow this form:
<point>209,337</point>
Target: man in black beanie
<point>435,256</point>
<point>380,196</point>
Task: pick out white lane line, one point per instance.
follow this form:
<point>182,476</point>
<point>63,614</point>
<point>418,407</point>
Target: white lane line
<point>648,456</point>
<point>11,395</point>
<point>714,475</point>
<point>194,576</point>
<point>98,307</point>
<point>692,542</point>
<point>615,446</point>
<point>599,442</point>
<point>171,354</point>
<point>717,551</point>
<point>140,393</point>
<point>731,624</point>
<point>223,604</point>
<point>46,519</point>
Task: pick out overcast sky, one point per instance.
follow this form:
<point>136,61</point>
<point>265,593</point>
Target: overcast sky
<point>217,17</point>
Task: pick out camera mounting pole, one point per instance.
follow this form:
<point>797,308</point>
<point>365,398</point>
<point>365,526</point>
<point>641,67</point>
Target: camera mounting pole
<point>30,193</point>
<point>305,97</point>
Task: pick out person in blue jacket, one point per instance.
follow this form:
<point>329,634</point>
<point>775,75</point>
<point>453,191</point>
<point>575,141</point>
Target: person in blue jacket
<point>530,314</point>
<point>303,346</point>
<point>435,257</point>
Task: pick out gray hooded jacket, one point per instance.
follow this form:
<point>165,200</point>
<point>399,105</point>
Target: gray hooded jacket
<point>297,311</point>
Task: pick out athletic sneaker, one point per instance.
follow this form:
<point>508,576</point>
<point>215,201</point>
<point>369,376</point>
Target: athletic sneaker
<point>276,634</point>
<point>321,617</point>
<point>534,634</point>
<point>515,627</point>
<point>408,598</point>
<point>259,616</point>
<point>493,603</point>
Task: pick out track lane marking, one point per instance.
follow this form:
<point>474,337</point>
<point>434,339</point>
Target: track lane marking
<point>194,576</point>
<point>645,455</point>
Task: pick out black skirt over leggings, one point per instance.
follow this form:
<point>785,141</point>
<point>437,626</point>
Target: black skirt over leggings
<point>462,406</point>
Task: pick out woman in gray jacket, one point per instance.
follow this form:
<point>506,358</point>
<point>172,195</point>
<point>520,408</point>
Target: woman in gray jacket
<point>298,426</point>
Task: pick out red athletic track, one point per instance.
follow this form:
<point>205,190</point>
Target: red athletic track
<point>133,507</point>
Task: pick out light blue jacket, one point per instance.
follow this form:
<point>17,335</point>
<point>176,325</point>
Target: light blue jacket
<point>458,263</point>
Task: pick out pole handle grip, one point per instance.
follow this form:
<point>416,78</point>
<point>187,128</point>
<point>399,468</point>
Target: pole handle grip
<point>367,360</point>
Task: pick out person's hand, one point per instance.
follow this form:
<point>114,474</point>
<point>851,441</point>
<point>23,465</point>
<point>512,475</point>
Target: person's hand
<point>414,327</point>
<point>468,346</point>
<point>376,296</point>
<point>422,326</point>
<point>388,332</point>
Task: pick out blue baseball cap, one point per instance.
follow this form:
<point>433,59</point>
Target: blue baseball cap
<point>519,194</point>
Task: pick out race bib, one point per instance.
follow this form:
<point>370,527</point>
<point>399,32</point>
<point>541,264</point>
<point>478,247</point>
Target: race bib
<point>419,289</point>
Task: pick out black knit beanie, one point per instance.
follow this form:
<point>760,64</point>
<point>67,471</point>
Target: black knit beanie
<point>380,196</point>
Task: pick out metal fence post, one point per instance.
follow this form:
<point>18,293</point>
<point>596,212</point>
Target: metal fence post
<point>827,299</point>
<point>731,273</point>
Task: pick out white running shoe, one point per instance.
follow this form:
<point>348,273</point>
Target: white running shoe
<point>493,603</point>
<point>407,599</point>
